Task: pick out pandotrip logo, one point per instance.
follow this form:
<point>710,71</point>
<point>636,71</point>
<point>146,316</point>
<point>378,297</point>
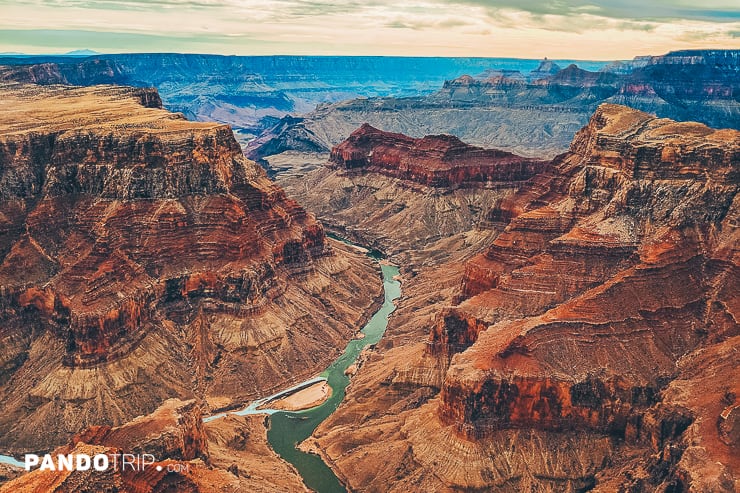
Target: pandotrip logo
<point>98,462</point>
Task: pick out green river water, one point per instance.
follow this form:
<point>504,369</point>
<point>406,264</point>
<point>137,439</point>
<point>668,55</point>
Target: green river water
<point>289,428</point>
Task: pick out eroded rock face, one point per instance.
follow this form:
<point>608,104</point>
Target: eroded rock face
<point>437,160</point>
<point>175,431</point>
<point>629,257</point>
<point>589,321</point>
<point>142,257</point>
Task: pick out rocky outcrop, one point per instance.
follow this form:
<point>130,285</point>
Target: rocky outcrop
<point>142,251</point>
<point>454,332</point>
<point>175,431</point>
<point>168,450</point>
<point>590,321</point>
<point>437,161</point>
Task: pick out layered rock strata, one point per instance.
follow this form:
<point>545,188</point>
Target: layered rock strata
<point>530,113</point>
<point>436,161</point>
<point>573,355</point>
<point>142,257</point>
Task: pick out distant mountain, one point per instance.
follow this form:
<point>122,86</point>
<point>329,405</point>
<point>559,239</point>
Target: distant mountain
<point>547,67</point>
<point>84,52</point>
<point>535,113</point>
<point>81,53</point>
<point>253,93</point>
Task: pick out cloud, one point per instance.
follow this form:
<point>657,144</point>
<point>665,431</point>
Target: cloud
<point>419,25</point>
<point>530,28</point>
<point>576,23</point>
<point>63,40</point>
<point>656,10</point>
<point>648,10</point>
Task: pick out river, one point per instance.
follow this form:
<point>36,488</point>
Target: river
<point>289,428</point>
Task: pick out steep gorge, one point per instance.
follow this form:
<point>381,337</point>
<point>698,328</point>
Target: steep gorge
<point>590,345</point>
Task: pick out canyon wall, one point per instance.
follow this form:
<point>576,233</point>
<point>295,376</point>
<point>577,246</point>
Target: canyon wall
<point>573,354</point>
<point>143,258</point>
<point>437,161</point>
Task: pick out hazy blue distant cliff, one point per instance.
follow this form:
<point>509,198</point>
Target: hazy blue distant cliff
<point>534,113</point>
<point>250,93</point>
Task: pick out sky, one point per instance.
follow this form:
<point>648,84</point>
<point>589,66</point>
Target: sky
<point>565,29</point>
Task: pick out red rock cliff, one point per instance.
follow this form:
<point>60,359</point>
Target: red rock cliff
<point>631,265</point>
<point>174,204</point>
<point>590,347</point>
<point>437,160</point>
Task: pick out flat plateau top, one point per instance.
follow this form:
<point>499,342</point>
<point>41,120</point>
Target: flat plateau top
<point>30,108</point>
<point>643,128</point>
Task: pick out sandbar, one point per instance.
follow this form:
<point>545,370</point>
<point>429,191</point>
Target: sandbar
<point>307,398</point>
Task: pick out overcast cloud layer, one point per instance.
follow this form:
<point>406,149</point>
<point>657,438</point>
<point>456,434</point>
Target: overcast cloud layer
<point>579,29</point>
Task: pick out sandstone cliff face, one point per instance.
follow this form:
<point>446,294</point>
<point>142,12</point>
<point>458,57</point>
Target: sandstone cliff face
<point>573,356</point>
<point>142,257</point>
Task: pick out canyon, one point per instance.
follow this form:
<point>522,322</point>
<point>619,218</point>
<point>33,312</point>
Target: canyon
<point>418,200</point>
<point>568,320</point>
<point>590,346</point>
<point>144,258</point>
